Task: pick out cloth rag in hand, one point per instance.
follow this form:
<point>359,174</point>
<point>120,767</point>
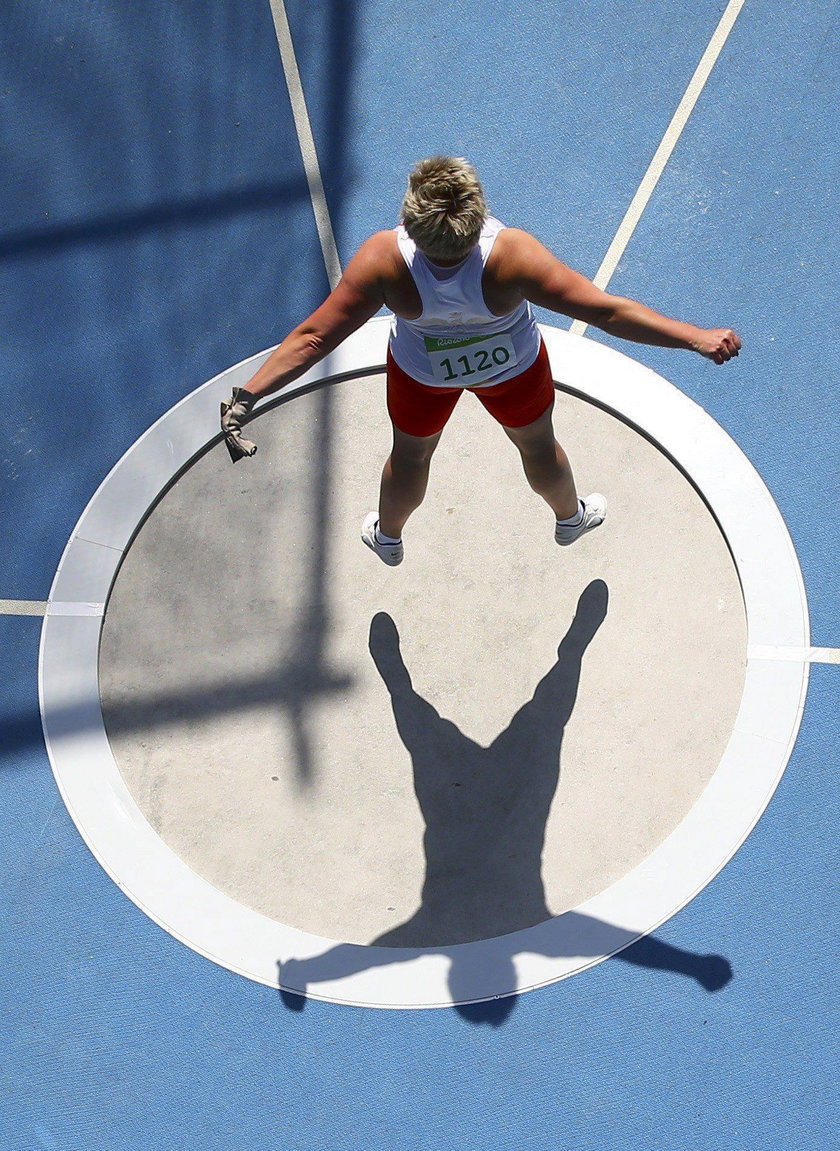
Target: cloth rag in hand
<point>234,413</point>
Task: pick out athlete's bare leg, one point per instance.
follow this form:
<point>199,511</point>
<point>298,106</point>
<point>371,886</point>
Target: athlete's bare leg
<point>546,465</point>
<point>404,480</point>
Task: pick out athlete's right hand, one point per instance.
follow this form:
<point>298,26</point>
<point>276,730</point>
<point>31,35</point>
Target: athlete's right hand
<point>234,413</point>
<point>718,344</point>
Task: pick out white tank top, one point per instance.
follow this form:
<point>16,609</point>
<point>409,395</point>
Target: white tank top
<point>457,342</point>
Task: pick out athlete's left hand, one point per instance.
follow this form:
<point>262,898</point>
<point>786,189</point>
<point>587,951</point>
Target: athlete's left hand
<point>718,344</point>
<point>234,413</point>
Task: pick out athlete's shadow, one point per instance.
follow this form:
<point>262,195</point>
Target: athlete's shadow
<point>485,808</point>
<point>486,811</point>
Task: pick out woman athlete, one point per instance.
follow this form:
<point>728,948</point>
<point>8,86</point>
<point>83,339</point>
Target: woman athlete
<point>460,285</point>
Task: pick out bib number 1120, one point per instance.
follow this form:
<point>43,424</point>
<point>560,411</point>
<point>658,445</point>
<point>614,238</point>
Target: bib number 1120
<point>469,361</point>
<point>478,362</point>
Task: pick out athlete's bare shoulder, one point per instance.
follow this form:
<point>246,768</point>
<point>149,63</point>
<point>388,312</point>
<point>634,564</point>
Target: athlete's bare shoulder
<point>375,266</point>
<point>504,271</point>
<point>378,256</point>
<point>378,260</point>
<point>384,241</point>
<point>514,252</point>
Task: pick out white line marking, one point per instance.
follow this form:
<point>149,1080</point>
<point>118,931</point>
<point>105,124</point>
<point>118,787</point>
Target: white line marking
<point>54,607</point>
<point>76,609</point>
<point>306,142</point>
<point>22,607</point>
<point>824,655</point>
<point>796,654</point>
<point>756,651</point>
<point>663,152</point>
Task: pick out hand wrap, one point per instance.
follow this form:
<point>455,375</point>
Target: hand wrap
<point>234,413</point>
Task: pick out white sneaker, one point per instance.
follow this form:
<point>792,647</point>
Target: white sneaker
<point>594,514</point>
<point>390,554</point>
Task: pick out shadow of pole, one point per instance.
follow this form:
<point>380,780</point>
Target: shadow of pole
<point>335,80</point>
<point>153,219</point>
<point>303,675</point>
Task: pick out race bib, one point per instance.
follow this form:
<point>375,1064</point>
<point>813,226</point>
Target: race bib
<point>465,361</point>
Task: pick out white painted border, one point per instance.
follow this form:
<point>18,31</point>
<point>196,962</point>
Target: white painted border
<point>663,153</point>
<point>306,141</point>
<point>244,941</point>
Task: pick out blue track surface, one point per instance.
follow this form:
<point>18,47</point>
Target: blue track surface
<point>156,228</point>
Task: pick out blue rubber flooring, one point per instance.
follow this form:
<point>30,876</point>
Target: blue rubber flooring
<point>156,228</point>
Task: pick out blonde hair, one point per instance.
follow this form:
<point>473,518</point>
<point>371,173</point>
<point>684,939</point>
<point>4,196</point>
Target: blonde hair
<point>444,209</point>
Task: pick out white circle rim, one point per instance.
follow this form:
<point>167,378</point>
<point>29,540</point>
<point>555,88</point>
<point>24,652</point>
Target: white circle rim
<point>255,946</point>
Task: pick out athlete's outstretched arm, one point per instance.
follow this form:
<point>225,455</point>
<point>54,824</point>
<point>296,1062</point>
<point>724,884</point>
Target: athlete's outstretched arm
<point>546,281</point>
<point>357,296</point>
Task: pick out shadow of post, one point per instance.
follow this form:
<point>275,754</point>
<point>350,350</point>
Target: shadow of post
<point>330,102</point>
<point>112,231</point>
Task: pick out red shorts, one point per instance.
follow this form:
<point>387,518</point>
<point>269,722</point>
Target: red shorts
<point>420,410</point>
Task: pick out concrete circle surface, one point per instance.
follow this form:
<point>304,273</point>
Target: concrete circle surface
<point>455,749</point>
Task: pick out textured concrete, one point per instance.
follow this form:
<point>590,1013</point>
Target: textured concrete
<point>401,755</point>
